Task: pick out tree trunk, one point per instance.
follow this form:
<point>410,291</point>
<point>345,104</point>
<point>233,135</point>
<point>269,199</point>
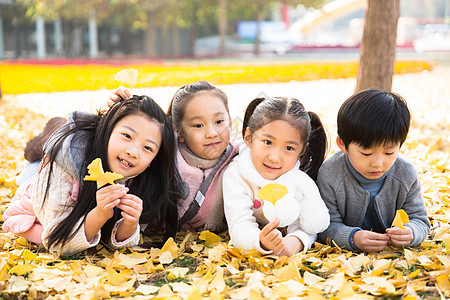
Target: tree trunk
<point>126,35</point>
<point>93,35</point>
<point>222,25</point>
<point>150,34</point>
<point>175,36</point>
<point>194,29</point>
<point>165,37</point>
<point>58,37</point>
<point>2,45</point>
<point>376,66</point>
<point>108,44</point>
<point>16,31</point>
<point>40,38</point>
<point>259,17</point>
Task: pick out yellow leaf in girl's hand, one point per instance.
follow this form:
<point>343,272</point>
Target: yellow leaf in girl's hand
<point>96,173</point>
<point>401,217</point>
<point>272,192</point>
<point>127,76</point>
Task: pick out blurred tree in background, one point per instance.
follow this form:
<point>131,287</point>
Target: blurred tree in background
<point>163,28</point>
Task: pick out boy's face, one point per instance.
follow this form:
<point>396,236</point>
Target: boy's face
<point>373,162</point>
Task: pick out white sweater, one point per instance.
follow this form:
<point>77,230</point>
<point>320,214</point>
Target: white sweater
<point>243,222</point>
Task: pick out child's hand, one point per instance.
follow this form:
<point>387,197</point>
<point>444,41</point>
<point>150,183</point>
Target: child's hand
<point>400,237</point>
<point>270,238</point>
<point>292,245</point>
<point>107,198</point>
<point>131,207</point>
<point>117,94</point>
<point>370,241</point>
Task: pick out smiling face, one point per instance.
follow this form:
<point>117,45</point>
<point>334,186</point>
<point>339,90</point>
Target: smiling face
<point>206,126</point>
<point>373,162</point>
<point>134,143</point>
<point>275,148</point>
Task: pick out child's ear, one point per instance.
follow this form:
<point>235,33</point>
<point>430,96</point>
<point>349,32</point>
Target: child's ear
<point>247,138</point>
<point>341,144</point>
<point>180,136</point>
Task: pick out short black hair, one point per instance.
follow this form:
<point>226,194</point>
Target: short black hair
<point>373,117</point>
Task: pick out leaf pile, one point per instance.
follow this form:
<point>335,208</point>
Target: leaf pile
<point>205,266</point>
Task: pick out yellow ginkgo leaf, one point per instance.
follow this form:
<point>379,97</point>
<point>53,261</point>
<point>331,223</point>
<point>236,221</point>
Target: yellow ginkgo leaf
<point>114,277</point>
<point>288,272</point>
<point>169,246</point>
<point>127,76</point>
<point>96,173</point>
<point>447,245</point>
<point>21,270</point>
<point>22,241</point>
<point>401,217</point>
<point>209,238</point>
<point>443,282</point>
<point>272,192</point>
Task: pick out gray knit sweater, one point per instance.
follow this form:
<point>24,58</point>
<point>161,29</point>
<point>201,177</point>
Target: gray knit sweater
<point>347,201</point>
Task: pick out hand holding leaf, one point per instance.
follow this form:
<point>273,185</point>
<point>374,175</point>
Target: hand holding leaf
<point>401,218</point>
<point>96,173</point>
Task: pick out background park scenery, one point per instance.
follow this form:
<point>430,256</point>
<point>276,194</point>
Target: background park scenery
<point>203,265</point>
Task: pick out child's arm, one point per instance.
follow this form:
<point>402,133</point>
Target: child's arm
<point>314,216</point>
<point>369,241</point>
<point>400,237</point>
<point>131,207</point>
<point>107,198</point>
<point>238,203</point>
<point>271,239</point>
<point>337,231</point>
<point>419,225</point>
<point>292,245</point>
<point>120,92</point>
<point>58,205</point>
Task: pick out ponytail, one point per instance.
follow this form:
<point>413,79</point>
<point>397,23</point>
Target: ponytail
<point>249,112</point>
<point>316,148</point>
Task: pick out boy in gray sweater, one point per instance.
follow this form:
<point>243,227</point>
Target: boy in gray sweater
<point>365,183</point>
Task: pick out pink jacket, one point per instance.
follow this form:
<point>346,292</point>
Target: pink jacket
<point>19,218</point>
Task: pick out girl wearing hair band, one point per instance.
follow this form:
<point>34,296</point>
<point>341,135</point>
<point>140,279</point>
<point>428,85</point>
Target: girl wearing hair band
<point>282,142</point>
<point>66,214</point>
<point>201,119</point>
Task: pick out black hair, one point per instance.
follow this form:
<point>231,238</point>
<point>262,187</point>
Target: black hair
<point>373,117</point>
<point>262,111</point>
<point>34,149</point>
<point>186,93</point>
<point>157,185</point>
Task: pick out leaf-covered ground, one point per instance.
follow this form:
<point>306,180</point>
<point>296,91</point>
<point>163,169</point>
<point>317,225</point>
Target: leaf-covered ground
<point>203,265</point>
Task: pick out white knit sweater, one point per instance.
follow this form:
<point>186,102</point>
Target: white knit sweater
<point>244,223</point>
